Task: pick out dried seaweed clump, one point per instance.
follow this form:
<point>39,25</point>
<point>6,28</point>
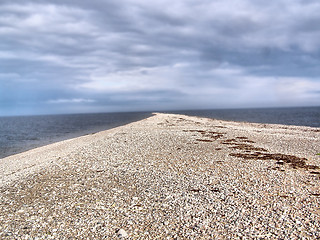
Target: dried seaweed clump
<point>248,147</point>
<point>208,134</point>
<point>293,161</point>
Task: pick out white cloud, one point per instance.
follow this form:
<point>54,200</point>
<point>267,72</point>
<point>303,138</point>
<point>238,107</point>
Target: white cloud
<point>293,89</point>
<point>5,76</point>
<point>139,79</point>
<point>46,18</point>
<point>227,86</point>
<point>206,51</point>
<point>73,100</point>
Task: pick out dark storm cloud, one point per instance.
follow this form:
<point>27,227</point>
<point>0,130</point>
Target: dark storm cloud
<point>103,55</point>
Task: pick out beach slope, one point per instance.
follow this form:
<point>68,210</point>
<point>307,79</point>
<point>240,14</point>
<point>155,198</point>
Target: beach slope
<point>167,177</point>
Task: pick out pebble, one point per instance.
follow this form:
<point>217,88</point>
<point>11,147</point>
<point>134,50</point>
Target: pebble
<point>122,233</point>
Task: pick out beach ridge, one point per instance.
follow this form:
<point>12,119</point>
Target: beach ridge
<point>167,176</point>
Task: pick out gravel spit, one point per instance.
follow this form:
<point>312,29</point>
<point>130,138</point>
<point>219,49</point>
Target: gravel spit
<point>167,177</point>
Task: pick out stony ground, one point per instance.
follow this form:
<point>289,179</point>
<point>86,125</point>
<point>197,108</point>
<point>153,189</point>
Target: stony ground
<point>169,177</point>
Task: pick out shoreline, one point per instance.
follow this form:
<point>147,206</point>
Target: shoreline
<point>20,164</point>
<point>167,175</point>
<point>294,116</point>
<point>284,126</point>
<point>73,126</point>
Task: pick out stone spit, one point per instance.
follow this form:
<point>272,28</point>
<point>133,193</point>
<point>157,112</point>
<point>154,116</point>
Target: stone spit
<point>167,177</point>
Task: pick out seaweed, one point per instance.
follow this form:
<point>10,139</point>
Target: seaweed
<point>293,161</point>
<point>229,141</point>
<point>248,147</point>
<point>204,140</point>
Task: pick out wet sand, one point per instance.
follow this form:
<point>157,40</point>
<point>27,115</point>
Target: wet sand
<point>167,177</point>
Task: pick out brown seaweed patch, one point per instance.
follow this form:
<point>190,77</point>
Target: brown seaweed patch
<point>229,141</point>
<point>213,135</point>
<point>249,141</point>
<point>191,130</point>
<point>284,196</point>
<point>248,147</point>
<point>314,167</point>
<point>315,194</point>
<point>242,138</point>
<point>204,140</point>
<point>194,190</point>
<point>201,131</point>
<point>293,161</point>
<point>218,161</point>
<point>209,134</point>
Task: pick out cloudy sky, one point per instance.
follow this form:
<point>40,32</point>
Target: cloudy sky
<point>128,55</point>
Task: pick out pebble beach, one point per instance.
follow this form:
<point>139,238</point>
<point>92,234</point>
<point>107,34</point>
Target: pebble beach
<point>167,177</point>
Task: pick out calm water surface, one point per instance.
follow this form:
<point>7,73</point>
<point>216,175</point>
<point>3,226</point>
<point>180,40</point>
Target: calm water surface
<point>18,134</point>
<point>300,116</point>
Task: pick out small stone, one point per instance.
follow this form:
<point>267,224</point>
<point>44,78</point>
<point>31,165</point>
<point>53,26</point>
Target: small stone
<point>21,211</point>
<point>122,233</point>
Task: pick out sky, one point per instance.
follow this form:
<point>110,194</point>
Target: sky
<point>74,56</point>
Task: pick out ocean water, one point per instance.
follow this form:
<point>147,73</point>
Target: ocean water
<point>299,116</point>
<point>18,134</point>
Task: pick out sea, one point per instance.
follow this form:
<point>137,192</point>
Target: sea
<point>22,133</point>
<point>299,116</point>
